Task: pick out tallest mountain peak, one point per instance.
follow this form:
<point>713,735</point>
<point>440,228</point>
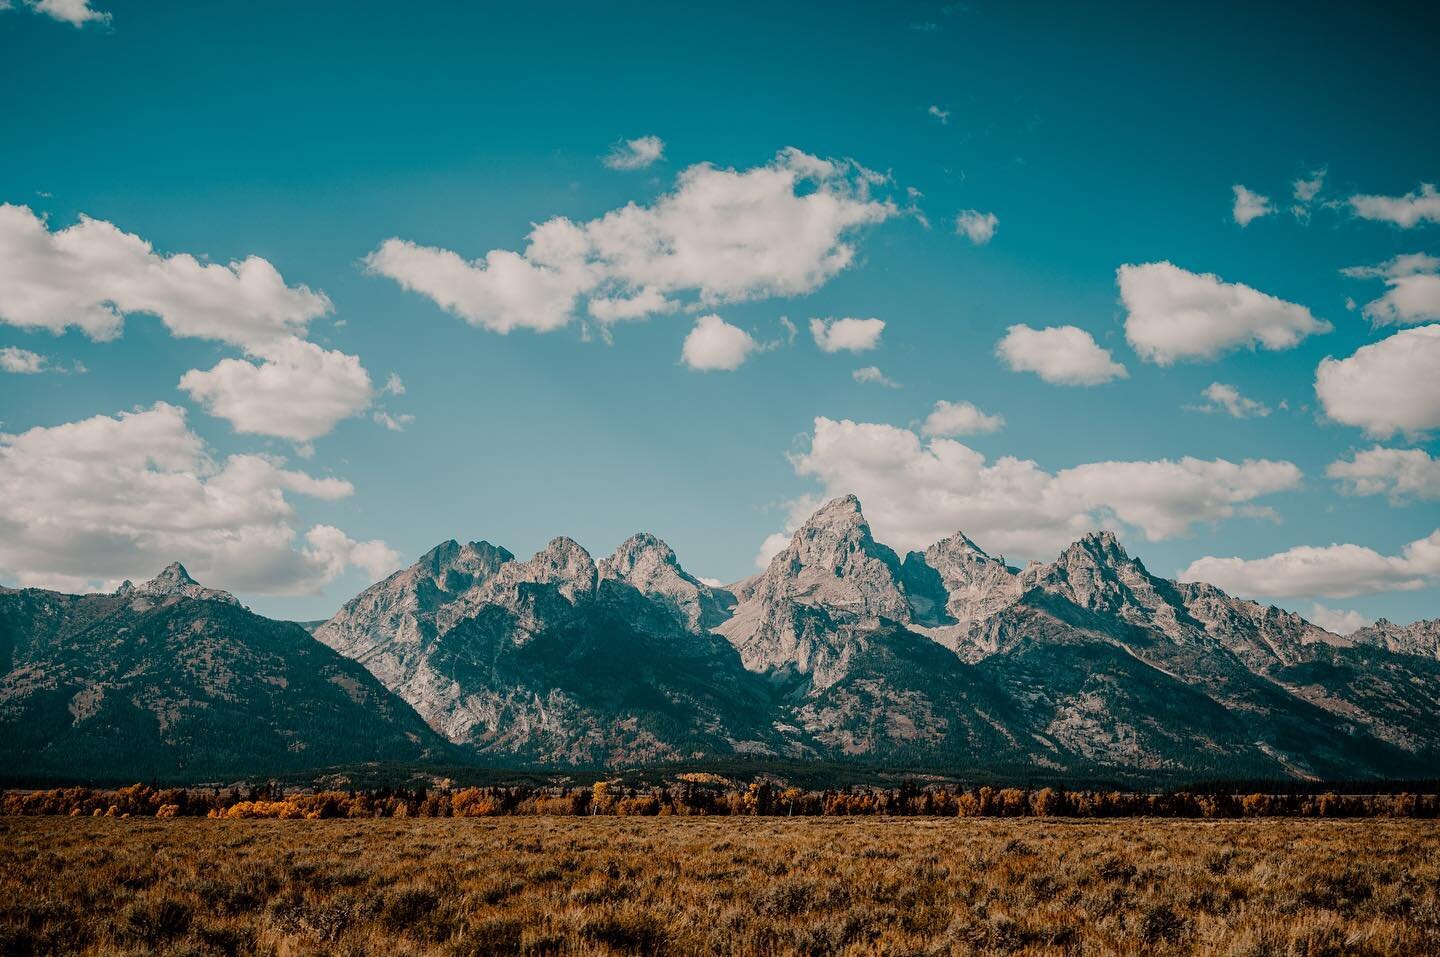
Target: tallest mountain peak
<point>840,517</point>
<point>844,508</point>
<point>835,530</point>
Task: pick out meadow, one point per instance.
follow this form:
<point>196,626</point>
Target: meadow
<point>709,885</point>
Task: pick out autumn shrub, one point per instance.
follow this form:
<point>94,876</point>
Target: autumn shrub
<point>406,906</point>
<point>629,932</point>
<point>154,921</point>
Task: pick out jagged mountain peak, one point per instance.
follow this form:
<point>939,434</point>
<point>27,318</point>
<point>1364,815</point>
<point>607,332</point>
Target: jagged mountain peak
<point>957,544</point>
<point>474,559</point>
<point>1101,545</point>
<point>441,553</point>
<point>647,564</point>
<point>563,563</point>
<point>829,585</point>
<point>843,507</point>
<point>174,582</point>
<point>837,537</point>
<point>840,517</point>
<point>1096,573</point>
<point>1418,638</point>
<point>955,581</point>
<point>642,547</point>
<point>566,557</point>
<point>174,573</point>
<point>643,560</point>
<point>1093,559</point>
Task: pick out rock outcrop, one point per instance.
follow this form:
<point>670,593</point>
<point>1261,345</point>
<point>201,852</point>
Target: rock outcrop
<point>172,582</point>
<point>1421,638</point>
<point>559,660</point>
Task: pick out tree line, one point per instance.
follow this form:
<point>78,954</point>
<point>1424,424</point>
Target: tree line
<point>696,798</point>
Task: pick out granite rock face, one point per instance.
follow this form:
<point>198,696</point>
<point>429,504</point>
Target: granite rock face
<point>649,565</point>
<point>812,609</point>
<point>1421,638</point>
<point>560,660</point>
<point>172,582</point>
<point>1087,667</point>
<point>839,649</point>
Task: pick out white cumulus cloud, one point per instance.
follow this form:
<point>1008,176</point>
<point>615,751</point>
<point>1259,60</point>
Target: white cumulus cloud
<point>22,361</point>
<point>91,274</point>
<point>1249,206</point>
<point>715,344</point>
<point>847,334</point>
<point>297,390</point>
<point>1412,209</point>
<point>1386,387</point>
<point>1334,571</point>
<point>114,497</point>
<point>1175,315</point>
<point>1414,289</point>
<point>960,418</point>
<point>719,236</point>
<point>1061,355</point>
<point>503,291</point>
<point>1336,620</point>
<point>1401,474</point>
<point>773,545</point>
<point>333,551</point>
<point>916,492</point>
<point>636,154</point>
<point>942,115</point>
<point>976,226</point>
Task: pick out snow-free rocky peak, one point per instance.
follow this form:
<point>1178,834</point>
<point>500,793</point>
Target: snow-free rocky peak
<point>453,567</point>
<point>562,563</point>
<point>955,582</point>
<point>812,607</point>
<point>1097,574</point>
<point>833,560</point>
<point>1420,638</point>
<point>649,565</point>
<point>174,582</point>
<point>840,650</point>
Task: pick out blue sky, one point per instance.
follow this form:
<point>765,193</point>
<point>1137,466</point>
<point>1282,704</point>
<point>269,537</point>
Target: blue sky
<point>308,135</point>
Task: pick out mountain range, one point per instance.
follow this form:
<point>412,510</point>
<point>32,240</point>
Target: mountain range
<point>841,650</point>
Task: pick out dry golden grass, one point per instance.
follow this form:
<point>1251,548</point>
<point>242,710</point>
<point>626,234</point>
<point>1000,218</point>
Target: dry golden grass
<point>719,886</point>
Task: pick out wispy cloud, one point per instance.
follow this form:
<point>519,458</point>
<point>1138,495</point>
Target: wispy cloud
<point>871,375</point>
<point>1227,399</point>
<point>635,154</point>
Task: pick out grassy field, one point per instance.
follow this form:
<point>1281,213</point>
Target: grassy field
<point>719,886</point>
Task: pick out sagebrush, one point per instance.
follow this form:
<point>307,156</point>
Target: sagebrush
<point>708,885</point>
